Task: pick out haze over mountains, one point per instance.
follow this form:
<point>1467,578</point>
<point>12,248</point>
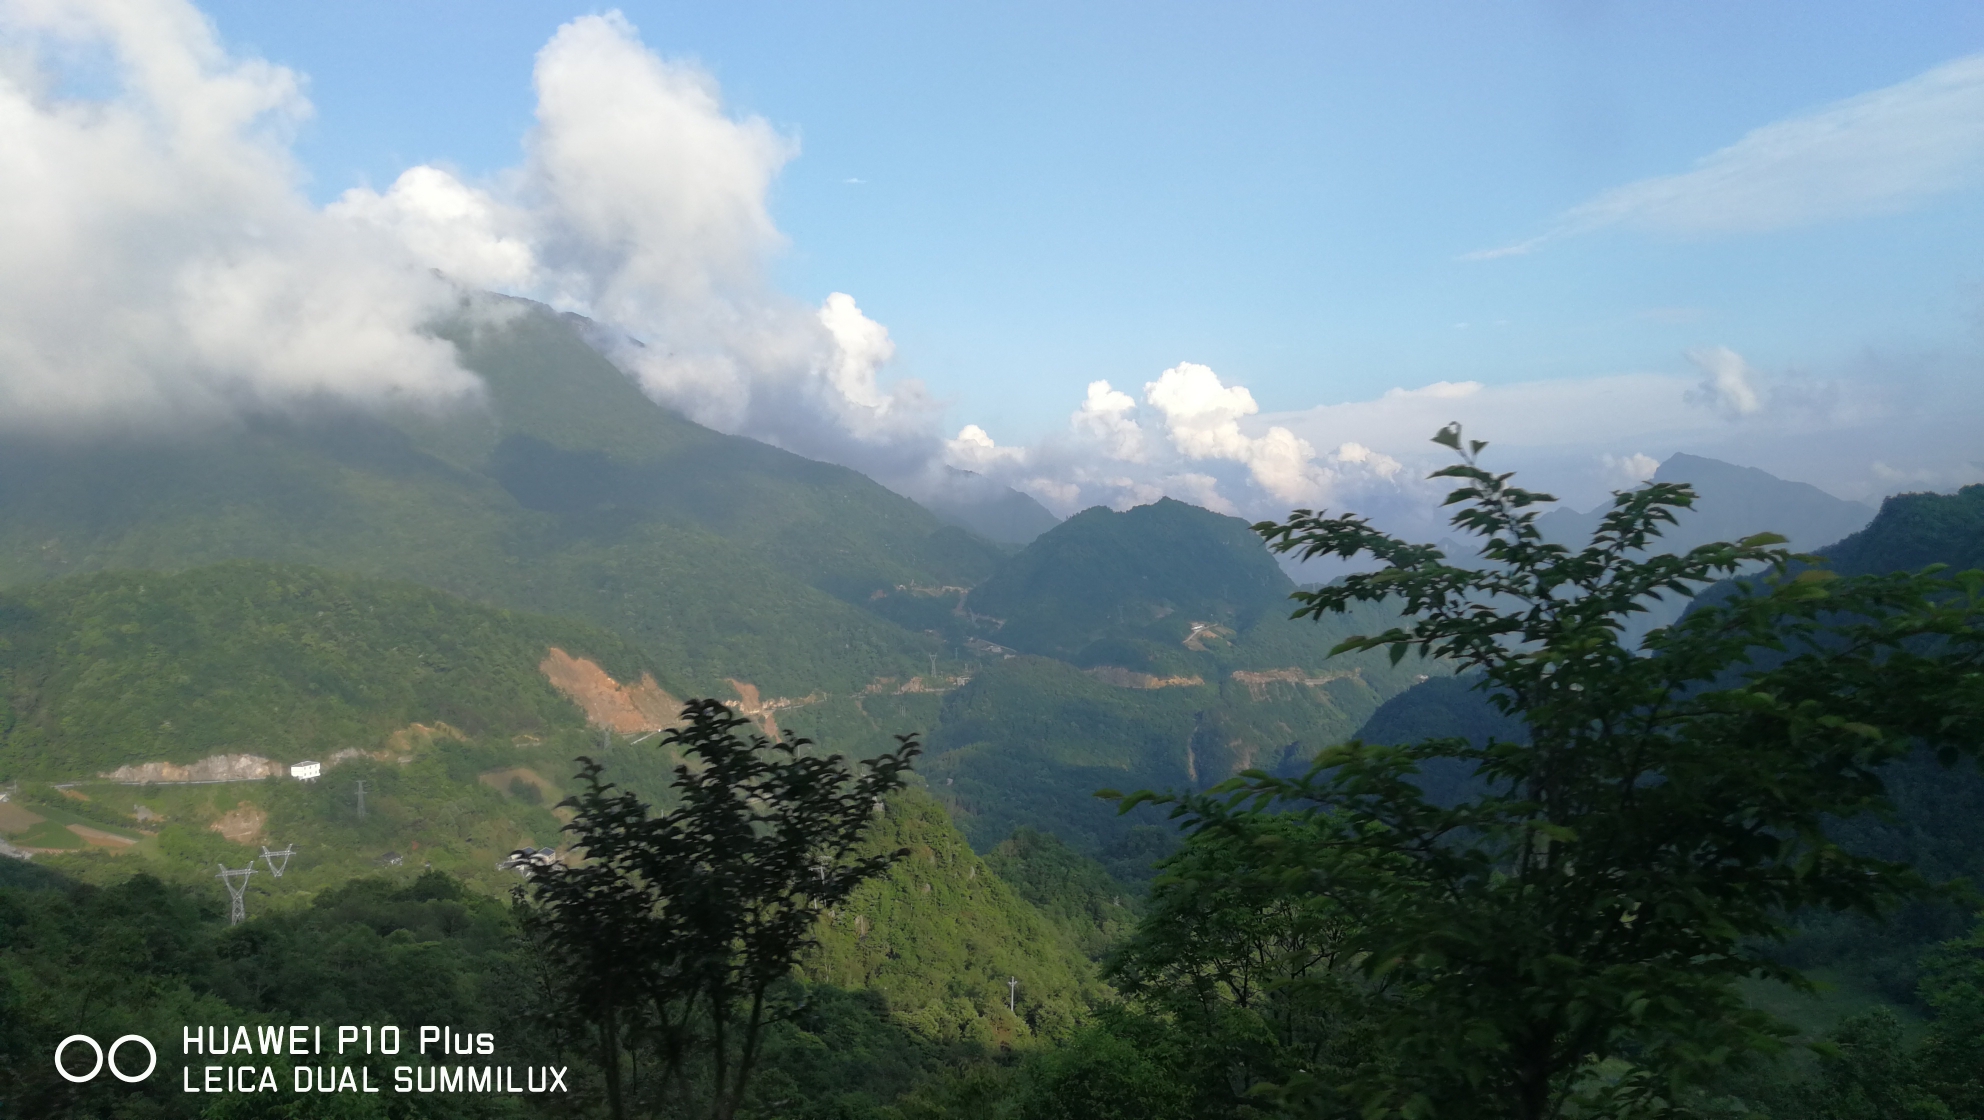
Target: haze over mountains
<point>1143,647</point>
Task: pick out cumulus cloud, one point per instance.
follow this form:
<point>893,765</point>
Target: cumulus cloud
<point>1629,470</point>
<point>1879,152</point>
<point>1183,439</point>
<point>642,202</point>
<point>463,232</point>
<point>160,262</point>
<point>1728,385</point>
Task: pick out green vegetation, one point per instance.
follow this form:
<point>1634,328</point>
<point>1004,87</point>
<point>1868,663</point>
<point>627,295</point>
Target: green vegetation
<point>280,661</point>
<point>667,933</point>
<point>1915,530</point>
<point>1094,908</point>
<point>1568,937</point>
<point>1156,569</point>
<point>568,492</point>
<point>938,937</point>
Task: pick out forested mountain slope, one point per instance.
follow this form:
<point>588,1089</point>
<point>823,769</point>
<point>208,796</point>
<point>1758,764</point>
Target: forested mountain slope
<point>285,662</point>
<point>1156,652</point>
<point>567,492</point>
<point>910,983</point>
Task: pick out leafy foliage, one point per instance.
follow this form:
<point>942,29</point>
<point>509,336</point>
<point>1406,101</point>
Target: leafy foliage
<point>1080,895</point>
<point>672,931</point>
<point>1633,855</point>
<point>940,936</point>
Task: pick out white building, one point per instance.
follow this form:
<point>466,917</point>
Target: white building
<point>306,771</point>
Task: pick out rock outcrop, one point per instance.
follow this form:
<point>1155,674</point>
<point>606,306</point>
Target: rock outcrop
<point>213,768</point>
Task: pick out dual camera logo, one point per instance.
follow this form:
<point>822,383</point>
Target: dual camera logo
<point>106,1058</point>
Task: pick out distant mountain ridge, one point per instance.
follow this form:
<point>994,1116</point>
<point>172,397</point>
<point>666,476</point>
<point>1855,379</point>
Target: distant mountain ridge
<point>1732,502</point>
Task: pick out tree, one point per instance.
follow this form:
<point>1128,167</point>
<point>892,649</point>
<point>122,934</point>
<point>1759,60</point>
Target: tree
<point>1253,976</point>
<point>1566,937</point>
<point>669,934</point>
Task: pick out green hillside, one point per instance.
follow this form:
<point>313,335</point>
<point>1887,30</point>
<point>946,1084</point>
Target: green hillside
<point>566,492</point>
<point>941,934</point>
<point>281,661</point>
<point>1916,530</point>
<point>1150,573</point>
<point>936,941</point>
<point>1158,653</point>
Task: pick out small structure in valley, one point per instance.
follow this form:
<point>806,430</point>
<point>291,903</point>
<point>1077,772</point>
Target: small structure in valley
<point>528,861</point>
<point>306,771</point>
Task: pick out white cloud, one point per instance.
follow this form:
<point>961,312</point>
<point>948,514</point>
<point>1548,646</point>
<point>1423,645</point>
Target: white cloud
<point>642,202</point>
<point>1876,153</point>
<point>1184,440</point>
<point>464,232</point>
<point>159,262</point>
<point>1728,384</point>
<point>1628,470</point>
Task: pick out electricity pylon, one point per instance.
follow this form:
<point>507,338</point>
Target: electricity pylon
<point>361,800</point>
<point>270,858</point>
<point>237,890</point>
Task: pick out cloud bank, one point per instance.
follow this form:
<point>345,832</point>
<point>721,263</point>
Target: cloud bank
<point>162,263</point>
<point>1183,437</point>
<point>159,261</point>
<point>642,203</point>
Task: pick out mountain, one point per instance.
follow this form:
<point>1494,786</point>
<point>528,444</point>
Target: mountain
<point>1153,573</point>
<point>815,599</point>
<point>284,662</point>
<point>1732,502</point>
<point>1146,648</point>
<point>1915,530</point>
<point>997,513</point>
<point>565,491</point>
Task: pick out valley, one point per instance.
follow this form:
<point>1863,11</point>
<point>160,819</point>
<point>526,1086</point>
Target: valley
<point>447,612</point>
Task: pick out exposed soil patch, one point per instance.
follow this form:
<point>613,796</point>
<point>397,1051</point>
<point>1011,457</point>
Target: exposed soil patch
<point>15,818</point>
<point>891,686</point>
<point>213,768</point>
<point>1130,678</point>
<point>243,824</point>
<point>1203,632</point>
<point>763,711</point>
<point>626,709</point>
<point>98,838</point>
<point>415,736</point>
<point>1257,683</point>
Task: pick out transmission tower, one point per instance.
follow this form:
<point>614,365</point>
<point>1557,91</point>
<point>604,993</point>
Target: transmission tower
<point>361,800</point>
<point>1012,994</point>
<point>237,890</point>
<point>277,861</point>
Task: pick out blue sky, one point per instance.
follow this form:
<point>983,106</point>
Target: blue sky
<point>1034,197</point>
<point>1279,191</point>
